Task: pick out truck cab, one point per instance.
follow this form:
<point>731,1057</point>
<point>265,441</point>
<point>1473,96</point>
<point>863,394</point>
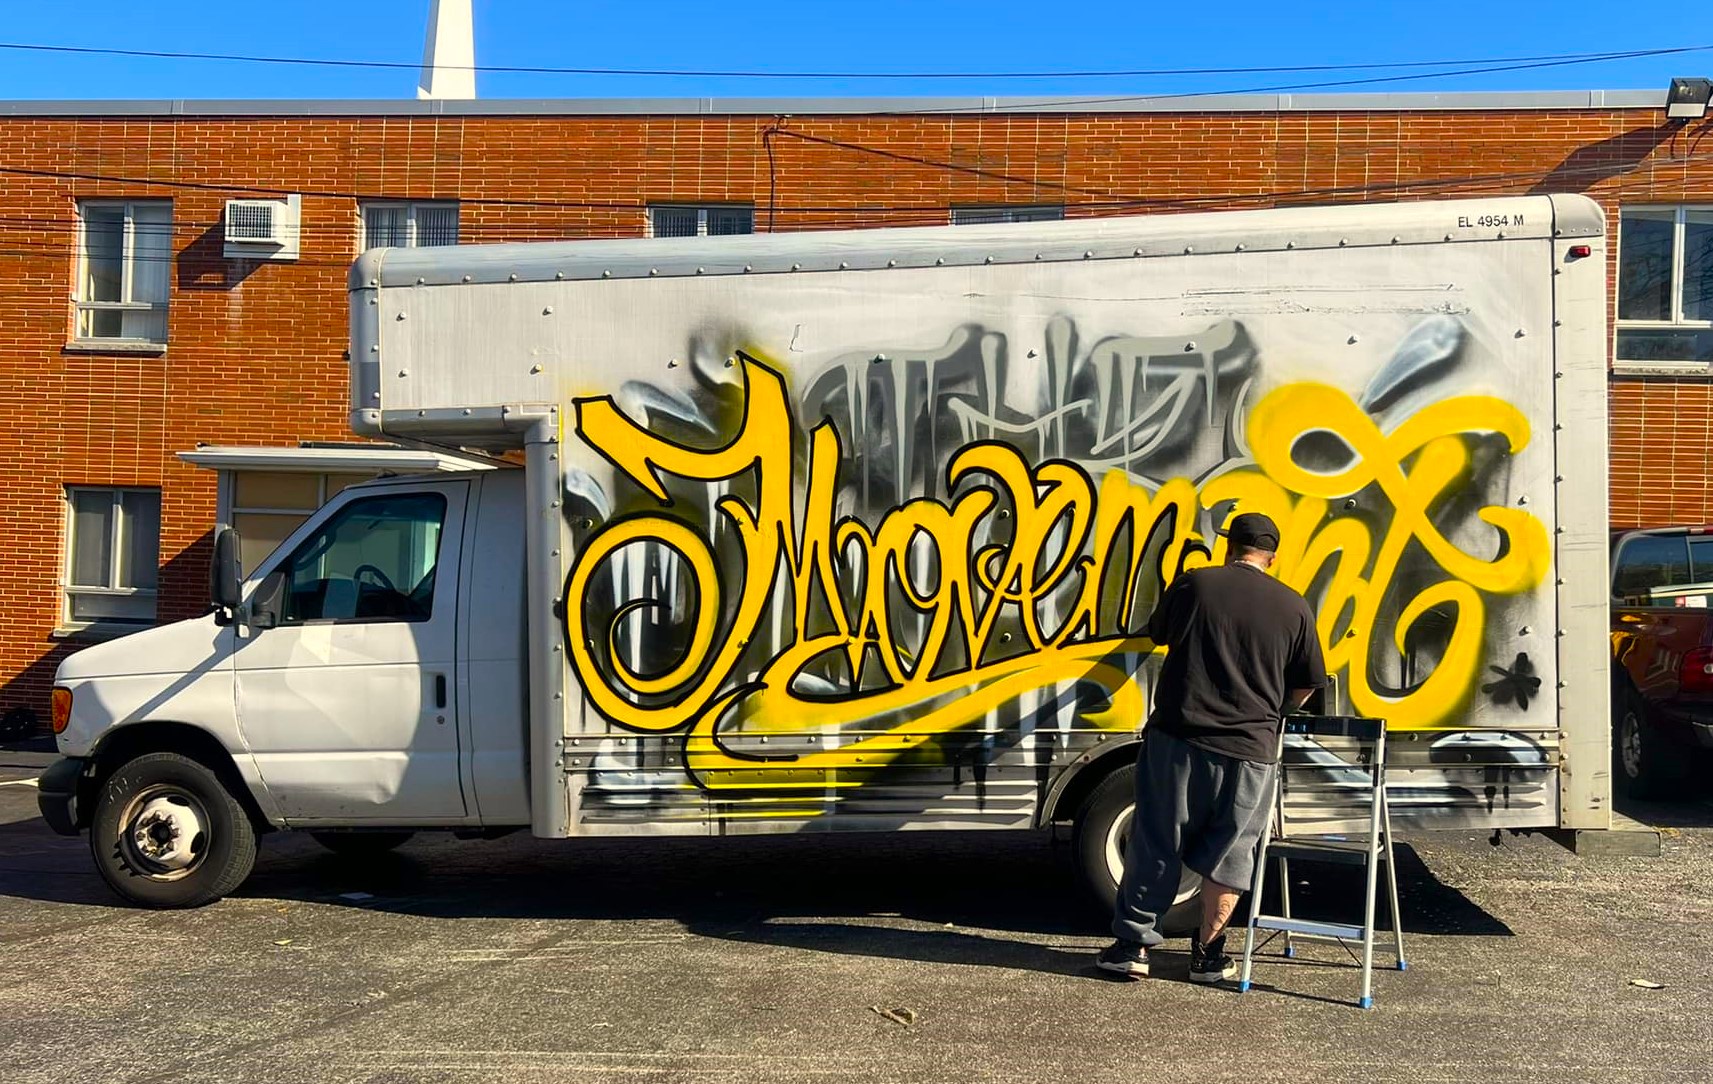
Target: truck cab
<point>369,675</point>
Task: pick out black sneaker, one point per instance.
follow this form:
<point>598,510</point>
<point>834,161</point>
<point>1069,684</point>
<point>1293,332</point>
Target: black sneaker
<point>1209,963</point>
<point>1122,957</point>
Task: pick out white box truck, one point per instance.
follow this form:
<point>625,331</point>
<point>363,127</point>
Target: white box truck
<point>856,531</point>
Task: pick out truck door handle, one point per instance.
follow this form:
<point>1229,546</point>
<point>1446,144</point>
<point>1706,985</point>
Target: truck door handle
<point>440,690</point>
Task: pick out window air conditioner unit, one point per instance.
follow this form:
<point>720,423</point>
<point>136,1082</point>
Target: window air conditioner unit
<point>262,229</point>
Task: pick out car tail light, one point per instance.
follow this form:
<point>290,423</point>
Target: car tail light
<point>62,710</point>
<point>1695,673</point>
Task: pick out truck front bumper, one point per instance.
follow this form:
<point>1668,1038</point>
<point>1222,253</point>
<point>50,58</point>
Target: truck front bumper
<point>56,795</point>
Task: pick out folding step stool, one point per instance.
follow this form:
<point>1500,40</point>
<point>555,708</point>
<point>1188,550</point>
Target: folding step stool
<point>1369,851</point>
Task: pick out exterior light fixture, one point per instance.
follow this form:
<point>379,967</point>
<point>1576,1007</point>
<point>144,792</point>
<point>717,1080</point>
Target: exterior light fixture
<point>1687,99</point>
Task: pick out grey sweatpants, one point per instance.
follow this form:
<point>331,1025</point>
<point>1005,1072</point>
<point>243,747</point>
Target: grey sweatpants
<point>1193,808</point>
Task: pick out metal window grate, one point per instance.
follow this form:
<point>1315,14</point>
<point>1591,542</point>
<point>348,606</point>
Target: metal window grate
<point>674,221</point>
<point>436,226</point>
<point>249,221</point>
<point>725,221</point>
<point>409,225</point>
<point>982,216</point>
<point>385,227</point>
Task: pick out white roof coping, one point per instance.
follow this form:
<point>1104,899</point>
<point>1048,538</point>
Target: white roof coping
<point>1060,103</point>
<point>329,460</point>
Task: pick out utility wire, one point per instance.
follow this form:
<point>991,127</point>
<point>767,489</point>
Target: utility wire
<point>1465,183</point>
<point>1557,58</point>
<point>1098,197</point>
<point>1052,105</point>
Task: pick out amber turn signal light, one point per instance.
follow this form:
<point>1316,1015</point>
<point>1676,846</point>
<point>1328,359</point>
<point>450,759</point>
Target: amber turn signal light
<point>62,710</point>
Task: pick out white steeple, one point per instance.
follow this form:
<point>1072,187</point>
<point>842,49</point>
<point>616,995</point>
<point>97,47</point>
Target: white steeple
<point>449,53</point>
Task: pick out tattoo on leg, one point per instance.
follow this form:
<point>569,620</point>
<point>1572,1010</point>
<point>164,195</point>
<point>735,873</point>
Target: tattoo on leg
<point>1217,904</point>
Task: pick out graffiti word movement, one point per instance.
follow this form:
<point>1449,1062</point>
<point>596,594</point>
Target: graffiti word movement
<point>1024,576</point>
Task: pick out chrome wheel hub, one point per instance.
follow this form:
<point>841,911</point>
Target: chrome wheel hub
<point>167,833</point>
<point>1630,744</point>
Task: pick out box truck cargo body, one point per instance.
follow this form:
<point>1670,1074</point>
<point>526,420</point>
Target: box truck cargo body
<point>860,531</point>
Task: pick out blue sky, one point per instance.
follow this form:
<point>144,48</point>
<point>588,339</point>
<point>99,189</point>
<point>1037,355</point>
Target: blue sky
<point>873,36</point>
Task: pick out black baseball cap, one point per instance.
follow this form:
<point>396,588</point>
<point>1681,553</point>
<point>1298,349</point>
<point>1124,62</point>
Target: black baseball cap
<point>1253,529</point>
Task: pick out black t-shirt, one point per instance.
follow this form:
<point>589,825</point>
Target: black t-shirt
<point>1237,642</point>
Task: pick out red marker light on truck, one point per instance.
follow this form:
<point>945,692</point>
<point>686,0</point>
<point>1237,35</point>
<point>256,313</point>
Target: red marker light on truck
<point>1580,252</point>
<point>1695,673</point>
<point>61,710</point>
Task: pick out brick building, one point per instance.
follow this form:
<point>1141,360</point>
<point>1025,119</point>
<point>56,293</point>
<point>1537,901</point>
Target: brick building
<point>160,374</point>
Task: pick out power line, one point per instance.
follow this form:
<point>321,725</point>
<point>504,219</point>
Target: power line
<point>161,54</point>
<point>1051,105</point>
<point>1466,182</point>
<point>1099,197</point>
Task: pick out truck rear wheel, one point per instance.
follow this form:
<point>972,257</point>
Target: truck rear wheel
<point>1644,763</point>
<point>167,833</point>
<point>1101,836</point>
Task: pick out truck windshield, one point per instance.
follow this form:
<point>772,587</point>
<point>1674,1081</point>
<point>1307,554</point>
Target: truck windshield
<point>374,560</point>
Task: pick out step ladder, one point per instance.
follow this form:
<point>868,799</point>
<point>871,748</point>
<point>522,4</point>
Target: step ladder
<point>1355,756</point>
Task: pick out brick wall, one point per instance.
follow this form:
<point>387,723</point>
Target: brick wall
<point>255,350</point>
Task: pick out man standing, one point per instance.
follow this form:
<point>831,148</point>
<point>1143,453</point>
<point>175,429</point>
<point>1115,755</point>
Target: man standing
<point>1241,650</point>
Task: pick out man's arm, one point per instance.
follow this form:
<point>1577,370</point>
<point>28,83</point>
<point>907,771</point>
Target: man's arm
<point>1307,671</point>
<point>1160,621</point>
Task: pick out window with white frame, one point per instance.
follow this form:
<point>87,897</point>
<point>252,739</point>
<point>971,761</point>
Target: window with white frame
<point>981,216</point>
<point>1665,286</point>
<point>267,506</point>
<point>124,270</point>
<point>409,225</point>
<point>113,551</point>
<point>700,220</point>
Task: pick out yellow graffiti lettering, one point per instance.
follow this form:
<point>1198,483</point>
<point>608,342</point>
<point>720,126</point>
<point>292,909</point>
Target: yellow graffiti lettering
<point>1431,442</point>
<point>1026,575</point>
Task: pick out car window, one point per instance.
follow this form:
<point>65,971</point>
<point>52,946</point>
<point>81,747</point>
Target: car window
<point>1650,562</point>
<point>1701,559</point>
<point>374,560</point>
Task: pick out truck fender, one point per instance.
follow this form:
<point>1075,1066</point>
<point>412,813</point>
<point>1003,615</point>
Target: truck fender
<point>134,739</point>
<point>1066,793</point>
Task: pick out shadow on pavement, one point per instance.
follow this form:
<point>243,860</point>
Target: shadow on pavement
<point>1687,812</point>
<point>994,899</point>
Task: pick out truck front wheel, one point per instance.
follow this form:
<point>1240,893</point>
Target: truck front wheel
<point>168,833</point>
<point>1100,839</point>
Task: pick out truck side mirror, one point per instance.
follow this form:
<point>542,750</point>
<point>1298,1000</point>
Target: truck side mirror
<point>267,601</point>
<point>223,572</point>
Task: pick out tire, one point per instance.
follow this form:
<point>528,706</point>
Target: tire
<point>360,844</point>
<point>1645,764</point>
<point>168,833</point>
<point>1102,829</point>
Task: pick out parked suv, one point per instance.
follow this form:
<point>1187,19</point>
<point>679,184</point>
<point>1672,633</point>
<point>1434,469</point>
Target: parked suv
<point>1662,659</point>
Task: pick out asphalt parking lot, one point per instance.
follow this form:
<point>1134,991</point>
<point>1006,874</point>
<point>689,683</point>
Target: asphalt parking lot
<point>795,959</point>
